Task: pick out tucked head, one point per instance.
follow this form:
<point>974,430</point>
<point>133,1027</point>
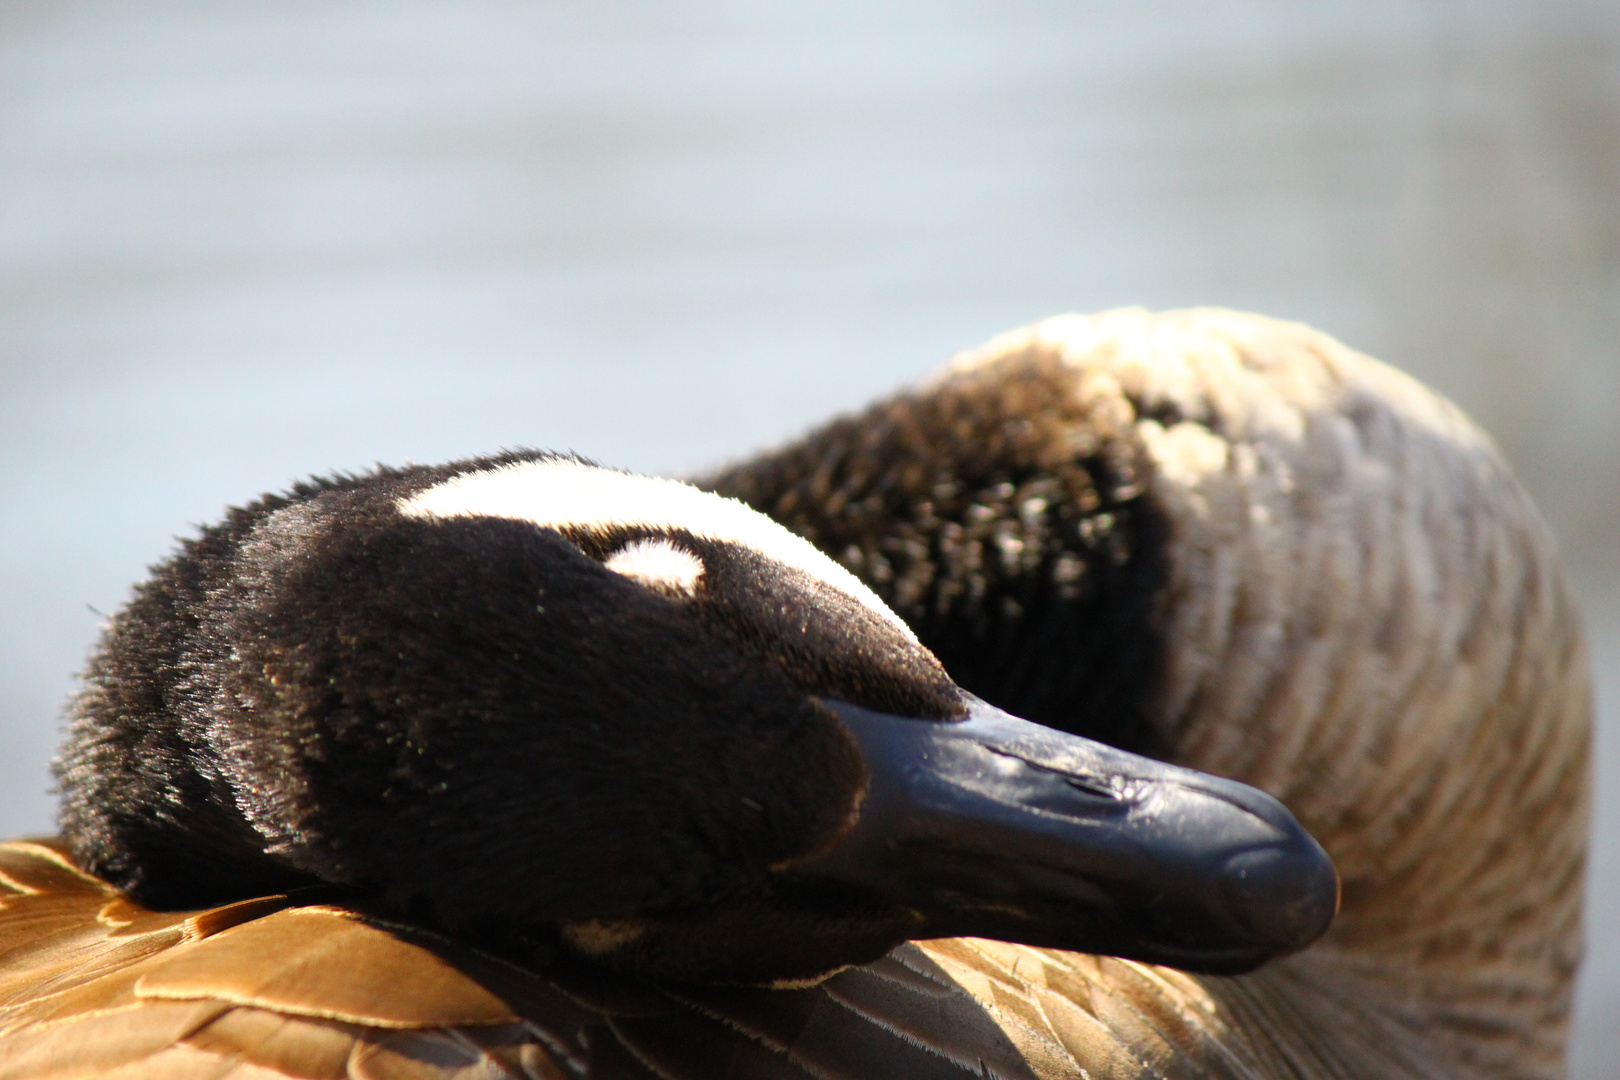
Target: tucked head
<point>546,705</point>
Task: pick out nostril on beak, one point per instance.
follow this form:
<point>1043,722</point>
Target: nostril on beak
<point>1286,894</point>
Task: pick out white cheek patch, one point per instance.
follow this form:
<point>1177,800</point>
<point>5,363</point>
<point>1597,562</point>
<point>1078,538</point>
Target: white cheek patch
<point>658,564</point>
<point>563,494</point>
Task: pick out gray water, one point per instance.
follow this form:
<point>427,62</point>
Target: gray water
<point>245,241</point>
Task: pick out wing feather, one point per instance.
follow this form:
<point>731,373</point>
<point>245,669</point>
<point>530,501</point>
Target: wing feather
<point>286,1045</point>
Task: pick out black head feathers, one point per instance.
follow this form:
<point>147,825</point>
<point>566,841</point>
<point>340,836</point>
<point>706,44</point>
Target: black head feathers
<point>539,705</point>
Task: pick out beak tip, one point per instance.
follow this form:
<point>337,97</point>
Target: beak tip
<point>1287,894</point>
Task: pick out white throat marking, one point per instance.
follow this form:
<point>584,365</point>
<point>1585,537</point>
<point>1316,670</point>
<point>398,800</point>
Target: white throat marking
<point>559,494</point>
<point>659,564</point>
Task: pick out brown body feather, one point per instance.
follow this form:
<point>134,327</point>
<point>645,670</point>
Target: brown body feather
<point>1357,610</point>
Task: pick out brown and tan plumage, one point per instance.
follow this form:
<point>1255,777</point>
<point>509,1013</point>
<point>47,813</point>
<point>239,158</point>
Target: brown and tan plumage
<point>1314,576</point>
<point>1362,614</point>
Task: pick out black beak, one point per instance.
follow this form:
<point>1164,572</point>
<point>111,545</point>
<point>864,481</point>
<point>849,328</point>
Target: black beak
<point>996,827</point>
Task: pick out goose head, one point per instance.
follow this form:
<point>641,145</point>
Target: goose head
<point>563,710</point>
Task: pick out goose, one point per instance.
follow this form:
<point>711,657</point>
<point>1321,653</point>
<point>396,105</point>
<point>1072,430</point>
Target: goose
<point>1212,541</point>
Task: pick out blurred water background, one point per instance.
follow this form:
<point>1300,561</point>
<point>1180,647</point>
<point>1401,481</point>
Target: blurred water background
<point>246,240</point>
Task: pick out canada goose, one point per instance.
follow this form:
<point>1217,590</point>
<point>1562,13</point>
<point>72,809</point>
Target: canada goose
<point>1211,537</point>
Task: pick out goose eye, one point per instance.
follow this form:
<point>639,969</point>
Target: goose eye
<point>658,564</point>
